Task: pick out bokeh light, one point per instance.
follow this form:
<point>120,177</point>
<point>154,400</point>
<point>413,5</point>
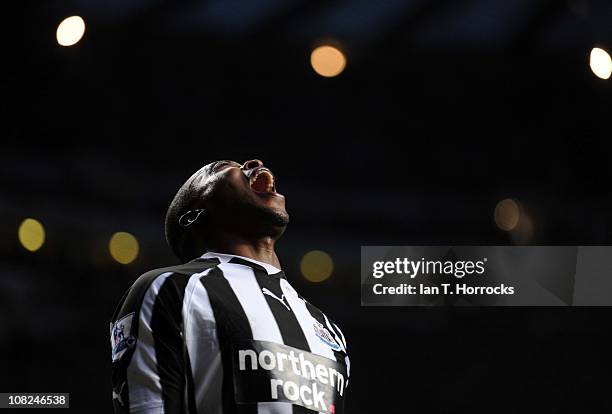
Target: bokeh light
<point>31,234</point>
<point>327,61</point>
<point>600,63</point>
<point>316,266</point>
<point>507,214</point>
<point>523,233</point>
<point>123,247</point>
<point>70,31</point>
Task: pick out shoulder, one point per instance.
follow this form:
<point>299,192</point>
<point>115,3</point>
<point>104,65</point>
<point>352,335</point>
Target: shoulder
<point>171,277</point>
<point>185,269</point>
<point>177,272</point>
<point>164,286</point>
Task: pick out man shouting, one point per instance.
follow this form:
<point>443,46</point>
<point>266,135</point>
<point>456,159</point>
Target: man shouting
<point>225,332</point>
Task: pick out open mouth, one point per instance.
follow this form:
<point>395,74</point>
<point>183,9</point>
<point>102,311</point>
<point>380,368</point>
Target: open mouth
<point>262,181</point>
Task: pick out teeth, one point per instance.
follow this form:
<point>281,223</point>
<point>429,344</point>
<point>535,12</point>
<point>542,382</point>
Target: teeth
<point>270,179</point>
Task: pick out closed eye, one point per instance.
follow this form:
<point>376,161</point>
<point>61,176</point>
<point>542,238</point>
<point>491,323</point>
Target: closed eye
<point>219,165</point>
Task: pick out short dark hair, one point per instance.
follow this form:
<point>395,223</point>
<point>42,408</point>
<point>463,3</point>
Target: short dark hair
<point>179,238</point>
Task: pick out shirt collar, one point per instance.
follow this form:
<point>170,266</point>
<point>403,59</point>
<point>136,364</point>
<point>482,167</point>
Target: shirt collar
<point>224,258</point>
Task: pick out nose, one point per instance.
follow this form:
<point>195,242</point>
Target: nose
<point>250,164</point>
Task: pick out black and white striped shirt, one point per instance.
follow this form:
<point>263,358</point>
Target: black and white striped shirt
<point>224,334</point>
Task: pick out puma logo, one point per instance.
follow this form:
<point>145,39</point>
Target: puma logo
<point>268,292</point>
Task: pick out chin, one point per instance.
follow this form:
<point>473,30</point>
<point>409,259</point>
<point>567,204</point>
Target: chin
<point>257,218</point>
<point>276,216</point>
<point>282,218</point>
<point>274,220</point>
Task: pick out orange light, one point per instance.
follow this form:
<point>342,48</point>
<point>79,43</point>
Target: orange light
<point>316,266</point>
<point>123,247</point>
<point>327,61</point>
<point>507,214</point>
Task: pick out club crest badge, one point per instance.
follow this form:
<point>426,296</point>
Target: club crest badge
<point>326,337</point>
<point>121,340</point>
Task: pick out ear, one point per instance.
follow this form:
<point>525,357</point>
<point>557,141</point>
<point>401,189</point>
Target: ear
<point>190,217</point>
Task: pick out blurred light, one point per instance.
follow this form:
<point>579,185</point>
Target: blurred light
<point>523,232</point>
<point>123,247</point>
<point>316,266</point>
<point>507,214</point>
<point>70,31</point>
<point>600,63</point>
<point>31,234</point>
<point>327,61</point>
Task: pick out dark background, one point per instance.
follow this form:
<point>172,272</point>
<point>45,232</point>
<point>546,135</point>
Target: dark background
<point>444,109</point>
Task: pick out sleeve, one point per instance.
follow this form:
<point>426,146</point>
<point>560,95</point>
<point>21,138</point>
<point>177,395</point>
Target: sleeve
<point>148,351</point>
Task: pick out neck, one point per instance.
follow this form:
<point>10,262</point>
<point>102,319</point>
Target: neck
<point>260,249</point>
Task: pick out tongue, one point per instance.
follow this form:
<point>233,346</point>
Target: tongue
<point>260,184</point>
